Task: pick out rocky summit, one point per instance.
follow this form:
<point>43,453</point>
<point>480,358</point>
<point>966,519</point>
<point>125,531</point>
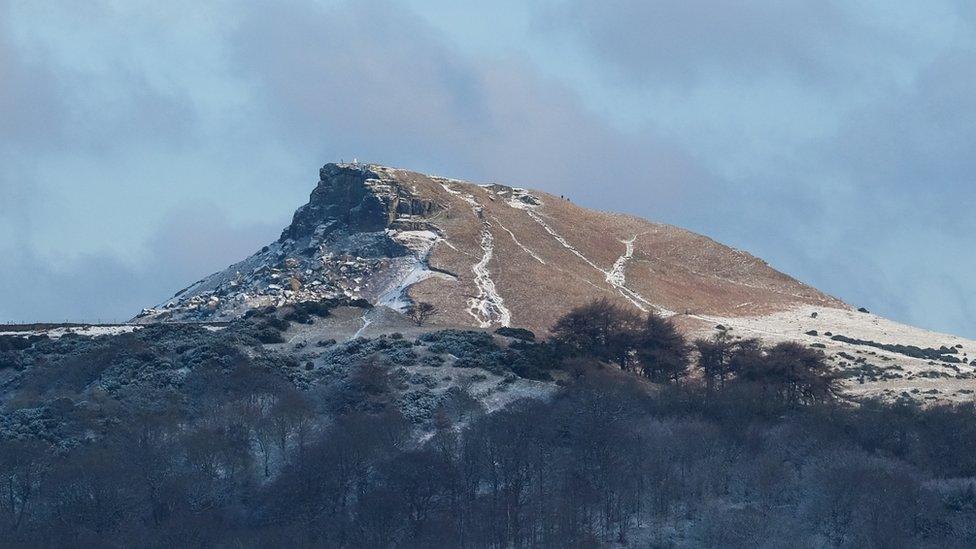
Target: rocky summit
<point>490,256</point>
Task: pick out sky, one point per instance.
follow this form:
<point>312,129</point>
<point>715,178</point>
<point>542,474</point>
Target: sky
<point>144,145</point>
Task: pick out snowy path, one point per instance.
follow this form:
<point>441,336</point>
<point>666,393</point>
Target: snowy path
<point>488,306</point>
<point>615,277</point>
<point>366,322</point>
<point>405,273</point>
<point>421,243</point>
<point>561,240</point>
<point>519,244</point>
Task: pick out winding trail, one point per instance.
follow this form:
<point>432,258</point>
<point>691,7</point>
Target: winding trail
<point>517,243</point>
<point>615,277</point>
<point>406,273</point>
<point>488,306</point>
<point>560,239</point>
<point>366,322</point>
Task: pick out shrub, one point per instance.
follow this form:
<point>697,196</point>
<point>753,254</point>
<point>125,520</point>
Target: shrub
<point>516,333</point>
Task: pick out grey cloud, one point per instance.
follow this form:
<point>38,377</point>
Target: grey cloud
<point>50,101</point>
<point>380,83</point>
<point>919,139</point>
<point>199,239</point>
<point>669,42</point>
<point>190,243</point>
<point>86,287</point>
<point>30,109</point>
<point>911,175</point>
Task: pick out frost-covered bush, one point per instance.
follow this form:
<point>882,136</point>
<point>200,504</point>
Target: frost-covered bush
<point>19,343</point>
<point>418,406</point>
<point>478,350</point>
<point>394,351</point>
<point>471,349</point>
<point>10,359</point>
<point>423,379</point>
<point>516,333</point>
<point>304,311</point>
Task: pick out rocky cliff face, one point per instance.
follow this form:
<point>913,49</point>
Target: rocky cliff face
<point>357,199</point>
<point>358,235</point>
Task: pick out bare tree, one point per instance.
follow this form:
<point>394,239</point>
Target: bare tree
<point>420,313</point>
<point>22,464</point>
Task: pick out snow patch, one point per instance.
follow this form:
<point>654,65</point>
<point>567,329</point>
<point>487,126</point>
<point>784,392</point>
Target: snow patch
<point>415,270</point>
<point>617,278</point>
<point>487,306</point>
<point>366,322</point>
<point>616,275</point>
<point>799,324</point>
<point>516,197</point>
<point>88,331</point>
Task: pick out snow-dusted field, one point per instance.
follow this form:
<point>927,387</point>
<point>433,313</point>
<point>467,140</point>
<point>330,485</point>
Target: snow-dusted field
<point>920,378</point>
<point>90,330</point>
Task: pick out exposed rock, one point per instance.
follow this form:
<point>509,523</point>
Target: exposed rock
<point>344,243</point>
<point>354,198</point>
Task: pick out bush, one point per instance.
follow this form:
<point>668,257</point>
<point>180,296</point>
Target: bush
<point>516,333</point>
<point>304,311</point>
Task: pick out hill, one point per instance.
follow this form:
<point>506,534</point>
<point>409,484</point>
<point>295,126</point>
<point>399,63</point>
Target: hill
<point>454,254</point>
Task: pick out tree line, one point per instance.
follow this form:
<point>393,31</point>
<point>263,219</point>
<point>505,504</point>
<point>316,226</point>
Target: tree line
<point>787,373</point>
<point>651,441</point>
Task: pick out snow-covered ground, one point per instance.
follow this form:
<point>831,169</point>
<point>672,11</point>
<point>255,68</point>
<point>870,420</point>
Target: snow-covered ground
<point>412,269</point>
<point>795,323</point>
<point>487,307</point>
<point>93,330</point>
<point>918,377</point>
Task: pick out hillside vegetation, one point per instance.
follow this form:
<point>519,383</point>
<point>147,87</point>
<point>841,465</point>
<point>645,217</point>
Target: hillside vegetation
<point>628,435</point>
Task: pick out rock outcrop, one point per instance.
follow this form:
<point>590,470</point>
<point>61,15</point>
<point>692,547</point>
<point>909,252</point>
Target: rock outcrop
<point>354,198</point>
<point>359,232</point>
